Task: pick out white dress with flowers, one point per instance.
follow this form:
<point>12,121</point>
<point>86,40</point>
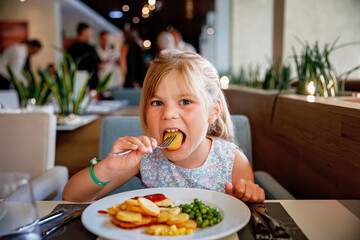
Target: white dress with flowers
<point>157,171</point>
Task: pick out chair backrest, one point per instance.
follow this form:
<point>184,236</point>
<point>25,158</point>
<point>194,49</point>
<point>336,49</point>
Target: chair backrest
<point>243,134</point>
<point>131,94</point>
<point>9,98</point>
<point>119,126</point>
<point>114,127</point>
<point>27,142</point>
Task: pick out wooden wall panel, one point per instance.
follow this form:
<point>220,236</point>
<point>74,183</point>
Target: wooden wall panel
<point>311,148</point>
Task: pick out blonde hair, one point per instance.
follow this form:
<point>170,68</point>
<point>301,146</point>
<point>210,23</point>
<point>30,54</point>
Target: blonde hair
<point>199,77</point>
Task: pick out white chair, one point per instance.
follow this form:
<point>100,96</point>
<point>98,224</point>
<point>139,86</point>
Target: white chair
<point>27,144</point>
<point>9,98</point>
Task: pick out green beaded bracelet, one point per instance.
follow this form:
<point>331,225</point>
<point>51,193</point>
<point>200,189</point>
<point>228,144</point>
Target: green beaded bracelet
<point>92,175</point>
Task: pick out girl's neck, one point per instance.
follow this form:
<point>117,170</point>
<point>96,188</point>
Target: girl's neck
<point>198,157</point>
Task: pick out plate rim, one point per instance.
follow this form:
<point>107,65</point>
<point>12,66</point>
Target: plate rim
<point>146,191</point>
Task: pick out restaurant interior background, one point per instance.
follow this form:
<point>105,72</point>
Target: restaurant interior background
<point>311,149</point>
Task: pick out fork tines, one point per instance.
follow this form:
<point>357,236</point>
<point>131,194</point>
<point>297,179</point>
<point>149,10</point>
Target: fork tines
<point>167,142</point>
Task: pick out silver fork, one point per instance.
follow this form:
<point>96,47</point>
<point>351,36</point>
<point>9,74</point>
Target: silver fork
<point>165,144</point>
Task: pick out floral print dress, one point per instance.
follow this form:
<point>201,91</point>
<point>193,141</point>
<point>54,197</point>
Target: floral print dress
<point>157,171</point>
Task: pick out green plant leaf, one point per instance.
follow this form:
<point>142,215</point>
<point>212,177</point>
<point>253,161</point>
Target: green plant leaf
<point>82,94</point>
<point>18,86</point>
<point>102,85</point>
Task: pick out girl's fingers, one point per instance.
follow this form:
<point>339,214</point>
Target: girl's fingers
<point>256,194</point>
<point>229,189</point>
<point>262,196</point>
<point>142,144</point>
<point>146,142</point>
<point>153,142</point>
<point>249,190</point>
<point>239,188</point>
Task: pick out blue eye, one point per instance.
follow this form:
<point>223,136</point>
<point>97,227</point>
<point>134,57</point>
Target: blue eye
<point>185,102</point>
<point>156,103</point>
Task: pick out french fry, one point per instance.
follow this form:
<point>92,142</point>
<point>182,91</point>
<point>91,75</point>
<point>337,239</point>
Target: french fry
<point>178,219</point>
<point>128,216</point>
<point>168,213</point>
<point>149,207</point>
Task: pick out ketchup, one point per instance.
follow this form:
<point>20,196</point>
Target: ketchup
<point>157,197</point>
<point>102,212</point>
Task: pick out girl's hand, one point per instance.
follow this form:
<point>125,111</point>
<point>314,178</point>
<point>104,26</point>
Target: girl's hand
<point>246,191</point>
<point>139,146</point>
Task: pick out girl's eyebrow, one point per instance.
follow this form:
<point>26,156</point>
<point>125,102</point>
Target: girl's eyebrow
<point>178,96</point>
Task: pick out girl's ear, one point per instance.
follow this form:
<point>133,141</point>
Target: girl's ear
<point>215,112</point>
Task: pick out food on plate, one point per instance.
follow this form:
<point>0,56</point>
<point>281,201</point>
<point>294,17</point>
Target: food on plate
<point>163,220</point>
<point>144,211</point>
<point>149,207</point>
<point>178,219</point>
<point>204,215</point>
<point>167,213</point>
<point>128,216</point>
<point>164,230</point>
<point>178,140</point>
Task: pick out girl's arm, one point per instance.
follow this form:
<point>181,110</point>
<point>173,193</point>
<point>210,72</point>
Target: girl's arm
<point>243,186</point>
<point>118,169</point>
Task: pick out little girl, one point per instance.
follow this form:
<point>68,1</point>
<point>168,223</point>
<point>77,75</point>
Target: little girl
<point>181,94</point>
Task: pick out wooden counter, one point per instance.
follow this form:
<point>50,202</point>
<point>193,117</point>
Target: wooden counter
<point>75,149</point>
<point>310,145</point>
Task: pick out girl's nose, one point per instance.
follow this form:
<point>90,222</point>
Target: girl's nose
<point>170,112</point>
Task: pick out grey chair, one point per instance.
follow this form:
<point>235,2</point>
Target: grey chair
<point>130,94</point>
<point>119,126</point>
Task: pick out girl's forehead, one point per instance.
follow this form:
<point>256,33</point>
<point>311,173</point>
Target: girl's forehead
<point>176,82</point>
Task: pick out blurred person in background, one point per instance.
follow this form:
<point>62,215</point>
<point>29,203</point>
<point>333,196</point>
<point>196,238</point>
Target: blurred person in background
<point>17,56</point>
<point>110,59</point>
<point>165,40</point>
<point>180,44</point>
<point>86,53</point>
<point>132,60</point>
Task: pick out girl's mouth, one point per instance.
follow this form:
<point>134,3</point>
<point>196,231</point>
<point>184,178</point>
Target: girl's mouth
<point>179,140</point>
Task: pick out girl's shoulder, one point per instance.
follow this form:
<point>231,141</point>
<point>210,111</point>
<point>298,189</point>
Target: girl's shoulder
<point>221,143</point>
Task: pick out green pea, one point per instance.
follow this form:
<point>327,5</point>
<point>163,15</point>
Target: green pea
<point>204,225</point>
<point>203,211</point>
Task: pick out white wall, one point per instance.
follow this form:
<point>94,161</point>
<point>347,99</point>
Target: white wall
<point>251,33</point>
<point>43,19</point>
<point>324,21</point>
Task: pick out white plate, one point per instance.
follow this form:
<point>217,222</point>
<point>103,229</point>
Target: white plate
<point>235,214</point>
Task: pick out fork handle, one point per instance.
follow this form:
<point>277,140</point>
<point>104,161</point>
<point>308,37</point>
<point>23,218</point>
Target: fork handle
<point>120,153</point>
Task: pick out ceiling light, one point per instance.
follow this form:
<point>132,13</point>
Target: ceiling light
<point>152,7</point>
<point>147,44</point>
<point>210,31</point>
<point>136,20</point>
<point>125,8</point>
<point>116,14</point>
<point>152,2</point>
<point>224,81</point>
<point>145,10</point>
<point>145,15</point>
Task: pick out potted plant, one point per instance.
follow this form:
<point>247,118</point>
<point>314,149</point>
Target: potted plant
<point>34,89</point>
<point>62,86</point>
<point>316,74</point>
